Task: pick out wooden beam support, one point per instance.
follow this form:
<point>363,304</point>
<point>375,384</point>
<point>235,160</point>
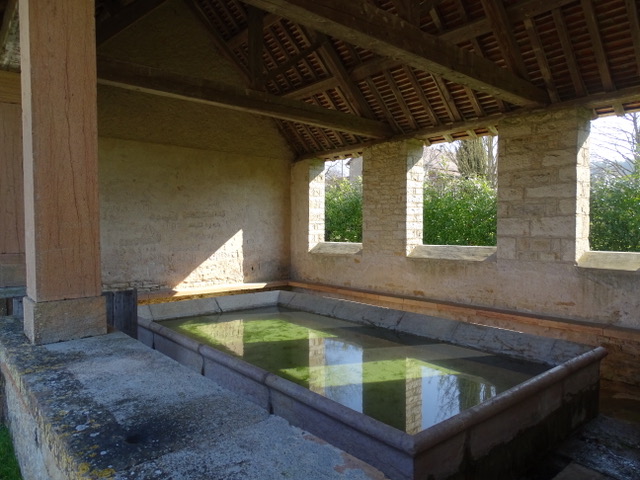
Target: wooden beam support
<point>541,58</point>
<point>634,19</point>
<point>10,90</point>
<point>359,23</point>
<point>350,89</point>
<point>451,130</point>
<point>256,47</point>
<point>567,49</point>
<point>242,37</point>
<point>516,13</point>
<point>157,82</point>
<point>503,31</point>
<point>598,49</point>
<point>124,18</point>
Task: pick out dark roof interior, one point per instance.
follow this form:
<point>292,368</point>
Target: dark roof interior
<point>434,69</point>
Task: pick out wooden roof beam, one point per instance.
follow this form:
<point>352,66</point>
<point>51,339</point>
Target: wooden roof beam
<point>165,84</point>
<point>243,36</point>
<point>503,31</point>
<point>634,19</point>
<point>359,23</point>
<point>598,49</point>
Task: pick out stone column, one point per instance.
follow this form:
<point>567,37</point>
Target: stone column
<point>393,176</point>
<point>543,186</point>
<point>316,203</point>
<point>12,269</point>
<point>58,57</point>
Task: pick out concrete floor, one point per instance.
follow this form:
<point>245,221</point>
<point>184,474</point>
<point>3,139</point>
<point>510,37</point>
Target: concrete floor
<point>607,448</point>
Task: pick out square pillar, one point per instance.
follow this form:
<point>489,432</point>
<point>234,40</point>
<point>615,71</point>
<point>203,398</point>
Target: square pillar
<point>58,61</point>
<point>543,186</point>
<point>316,203</point>
<point>393,177</point>
<point>12,268</point>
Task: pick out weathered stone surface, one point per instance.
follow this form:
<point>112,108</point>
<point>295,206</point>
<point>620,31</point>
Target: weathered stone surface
<point>109,407</point>
<point>55,321</point>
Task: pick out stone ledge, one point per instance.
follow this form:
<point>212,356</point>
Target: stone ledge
<point>109,407</point>
<point>454,252</point>
<point>337,248</point>
<point>620,261</point>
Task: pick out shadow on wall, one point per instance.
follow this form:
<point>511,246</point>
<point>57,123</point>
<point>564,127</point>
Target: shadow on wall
<point>181,218</point>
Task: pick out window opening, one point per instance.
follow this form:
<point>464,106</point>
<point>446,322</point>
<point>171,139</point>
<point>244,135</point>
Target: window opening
<point>343,200</point>
<point>615,184</point>
<point>460,193</point>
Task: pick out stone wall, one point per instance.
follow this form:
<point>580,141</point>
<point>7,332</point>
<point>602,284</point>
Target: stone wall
<point>192,196</point>
<point>537,266</point>
<point>174,217</point>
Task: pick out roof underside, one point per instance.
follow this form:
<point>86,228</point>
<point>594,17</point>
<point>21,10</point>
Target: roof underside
<point>433,69</point>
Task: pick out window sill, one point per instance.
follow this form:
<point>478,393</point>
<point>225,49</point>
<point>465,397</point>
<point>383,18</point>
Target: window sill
<point>619,261</point>
<point>337,249</point>
<point>454,252</point>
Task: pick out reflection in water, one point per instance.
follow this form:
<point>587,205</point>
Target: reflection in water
<point>405,381</point>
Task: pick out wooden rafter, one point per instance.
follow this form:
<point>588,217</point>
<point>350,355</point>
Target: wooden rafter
<point>359,23</point>
<point>634,19</point>
<point>503,31</point>
<point>421,96</point>
<point>400,99</point>
<point>125,17</point>
<point>449,104</point>
<point>409,11</point>
<point>157,82</point>
<point>516,13</point>
<point>567,48</point>
<point>336,68</point>
<point>488,124</point>
<point>243,36</point>
<point>598,49</point>
<point>256,46</point>
<point>293,60</point>
<point>543,64</point>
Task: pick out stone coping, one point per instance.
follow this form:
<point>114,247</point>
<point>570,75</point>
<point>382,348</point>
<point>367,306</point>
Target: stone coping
<point>337,248</point>
<point>109,407</point>
<point>615,261</point>
<point>556,401</point>
<point>454,252</point>
<point>494,340</point>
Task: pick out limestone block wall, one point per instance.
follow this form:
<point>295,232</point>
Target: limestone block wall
<point>174,217</point>
<point>542,230</point>
<point>192,196</point>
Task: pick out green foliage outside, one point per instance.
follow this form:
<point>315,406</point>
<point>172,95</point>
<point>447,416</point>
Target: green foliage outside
<point>9,469</point>
<point>459,211</point>
<point>343,211</point>
<point>615,214</point>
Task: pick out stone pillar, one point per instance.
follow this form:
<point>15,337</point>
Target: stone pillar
<point>393,176</point>
<point>543,186</point>
<point>58,60</point>
<point>12,269</point>
<point>316,203</point>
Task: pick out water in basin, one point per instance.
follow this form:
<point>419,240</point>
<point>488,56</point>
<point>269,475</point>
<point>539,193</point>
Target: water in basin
<point>406,381</point>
